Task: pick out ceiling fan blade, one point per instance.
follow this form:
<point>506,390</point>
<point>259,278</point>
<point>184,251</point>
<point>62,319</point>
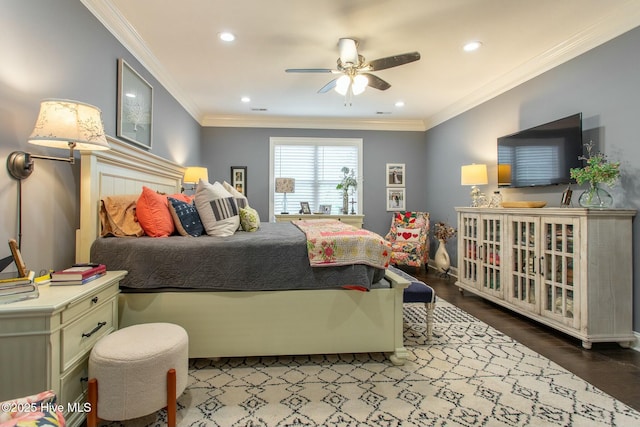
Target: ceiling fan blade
<point>326,88</point>
<point>310,70</point>
<point>376,82</point>
<point>348,51</point>
<point>393,61</point>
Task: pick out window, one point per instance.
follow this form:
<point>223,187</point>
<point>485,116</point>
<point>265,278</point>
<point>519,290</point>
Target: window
<point>316,165</point>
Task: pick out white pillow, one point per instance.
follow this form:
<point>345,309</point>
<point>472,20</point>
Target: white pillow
<point>241,199</point>
<point>217,209</point>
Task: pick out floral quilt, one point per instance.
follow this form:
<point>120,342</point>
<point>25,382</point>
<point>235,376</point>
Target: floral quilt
<point>331,243</point>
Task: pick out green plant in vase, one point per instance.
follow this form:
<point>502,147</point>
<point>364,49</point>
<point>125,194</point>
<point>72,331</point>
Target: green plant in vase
<point>598,170</point>
<point>349,181</point>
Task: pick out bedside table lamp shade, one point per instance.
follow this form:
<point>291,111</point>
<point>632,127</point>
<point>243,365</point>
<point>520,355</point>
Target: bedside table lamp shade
<point>474,175</point>
<point>193,174</point>
<point>285,185</point>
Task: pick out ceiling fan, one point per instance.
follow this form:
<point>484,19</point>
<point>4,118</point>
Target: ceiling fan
<point>355,69</point>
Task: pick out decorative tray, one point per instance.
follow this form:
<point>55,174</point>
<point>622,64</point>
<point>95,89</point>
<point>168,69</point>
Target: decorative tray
<point>531,204</point>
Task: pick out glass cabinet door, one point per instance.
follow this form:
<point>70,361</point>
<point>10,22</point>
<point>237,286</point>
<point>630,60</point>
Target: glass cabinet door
<point>523,286</point>
<point>490,254</point>
<point>468,235</point>
<point>560,253</point>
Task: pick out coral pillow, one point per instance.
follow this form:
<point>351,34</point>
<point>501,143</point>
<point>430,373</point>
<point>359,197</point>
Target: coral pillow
<point>152,210</point>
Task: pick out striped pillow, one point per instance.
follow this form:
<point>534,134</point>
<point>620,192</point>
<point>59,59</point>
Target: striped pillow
<point>217,209</point>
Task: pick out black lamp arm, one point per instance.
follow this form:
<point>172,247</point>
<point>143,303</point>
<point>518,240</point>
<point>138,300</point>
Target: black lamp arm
<point>20,164</point>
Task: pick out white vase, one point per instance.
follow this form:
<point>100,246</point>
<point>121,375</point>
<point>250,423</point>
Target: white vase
<point>441,259</point>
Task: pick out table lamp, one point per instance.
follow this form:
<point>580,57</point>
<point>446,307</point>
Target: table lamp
<point>474,175</point>
<point>193,174</point>
<point>285,185</point>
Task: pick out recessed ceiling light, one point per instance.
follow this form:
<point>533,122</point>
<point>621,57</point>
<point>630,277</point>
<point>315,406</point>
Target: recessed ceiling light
<point>227,36</point>
<point>400,104</point>
<point>471,46</point>
<point>245,99</point>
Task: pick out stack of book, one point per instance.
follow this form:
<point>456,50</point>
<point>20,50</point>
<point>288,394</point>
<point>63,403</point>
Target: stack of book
<point>78,274</point>
<point>17,288</point>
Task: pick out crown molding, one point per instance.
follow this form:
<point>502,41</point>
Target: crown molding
<point>313,123</point>
<point>617,22</point>
<point>621,19</point>
<point>109,15</point>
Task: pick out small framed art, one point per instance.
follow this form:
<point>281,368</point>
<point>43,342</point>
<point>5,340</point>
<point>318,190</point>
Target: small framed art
<point>304,208</point>
<point>325,209</point>
<point>395,175</point>
<point>135,106</point>
<point>396,199</point>
<point>239,178</point>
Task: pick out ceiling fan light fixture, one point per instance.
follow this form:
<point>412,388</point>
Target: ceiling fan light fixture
<point>342,84</point>
<point>360,83</point>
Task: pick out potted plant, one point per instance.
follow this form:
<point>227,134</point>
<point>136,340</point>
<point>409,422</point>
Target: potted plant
<point>598,170</point>
<point>348,181</point>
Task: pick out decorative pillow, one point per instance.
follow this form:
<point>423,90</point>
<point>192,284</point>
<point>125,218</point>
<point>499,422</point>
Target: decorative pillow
<point>181,196</point>
<point>249,219</point>
<point>118,216</point>
<point>407,234</point>
<point>241,199</point>
<point>153,213</point>
<point>185,217</point>
<point>37,410</point>
<point>217,208</point>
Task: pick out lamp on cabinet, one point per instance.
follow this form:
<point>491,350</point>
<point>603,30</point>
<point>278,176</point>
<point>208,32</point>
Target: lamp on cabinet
<point>474,175</point>
<point>285,185</point>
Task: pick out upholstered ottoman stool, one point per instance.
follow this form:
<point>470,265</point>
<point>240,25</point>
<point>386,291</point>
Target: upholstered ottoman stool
<point>136,371</point>
<point>419,292</point>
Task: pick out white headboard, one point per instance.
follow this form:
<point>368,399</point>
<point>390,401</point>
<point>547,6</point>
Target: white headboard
<point>124,169</point>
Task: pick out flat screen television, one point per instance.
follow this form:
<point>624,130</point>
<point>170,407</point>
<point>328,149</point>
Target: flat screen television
<point>541,155</point>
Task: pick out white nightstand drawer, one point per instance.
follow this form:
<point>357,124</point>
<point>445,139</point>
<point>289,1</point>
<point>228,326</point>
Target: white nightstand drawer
<point>80,336</point>
<point>73,384</point>
<point>89,303</point>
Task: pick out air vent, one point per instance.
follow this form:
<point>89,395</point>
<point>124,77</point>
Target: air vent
<point>383,112</point>
<point>259,109</point>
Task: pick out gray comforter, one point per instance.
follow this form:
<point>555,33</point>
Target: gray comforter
<point>272,258</point>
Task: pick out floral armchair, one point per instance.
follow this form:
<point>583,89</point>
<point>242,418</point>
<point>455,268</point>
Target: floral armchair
<point>409,238</point>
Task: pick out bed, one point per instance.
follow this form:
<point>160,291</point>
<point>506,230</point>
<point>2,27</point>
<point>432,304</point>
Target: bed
<point>239,323</point>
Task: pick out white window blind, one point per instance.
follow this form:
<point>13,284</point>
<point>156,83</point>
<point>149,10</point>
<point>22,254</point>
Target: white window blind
<point>316,165</point>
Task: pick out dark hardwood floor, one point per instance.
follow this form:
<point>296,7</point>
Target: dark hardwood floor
<point>609,367</point>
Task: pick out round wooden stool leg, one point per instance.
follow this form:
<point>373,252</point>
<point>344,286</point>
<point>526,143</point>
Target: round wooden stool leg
<point>92,397</point>
<point>171,398</point>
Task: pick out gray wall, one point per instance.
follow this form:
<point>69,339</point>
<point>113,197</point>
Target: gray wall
<point>57,49</point>
<point>603,84</point>
<point>226,147</point>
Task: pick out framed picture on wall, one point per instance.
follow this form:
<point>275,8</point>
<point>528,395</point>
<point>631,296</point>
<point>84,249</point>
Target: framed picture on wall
<point>396,199</point>
<point>135,106</point>
<point>395,175</point>
<point>239,178</point>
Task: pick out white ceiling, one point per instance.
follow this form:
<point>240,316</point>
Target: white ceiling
<point>177,42</point>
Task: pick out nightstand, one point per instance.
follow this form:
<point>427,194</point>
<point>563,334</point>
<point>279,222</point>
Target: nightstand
<point>45,342</point>
<point>355,220</point>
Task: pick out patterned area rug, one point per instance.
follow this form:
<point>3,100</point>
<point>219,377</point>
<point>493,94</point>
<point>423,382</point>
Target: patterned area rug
<point>468,375</point>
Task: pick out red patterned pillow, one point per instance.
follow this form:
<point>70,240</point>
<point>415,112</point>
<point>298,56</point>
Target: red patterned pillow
<point>407,234</point>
